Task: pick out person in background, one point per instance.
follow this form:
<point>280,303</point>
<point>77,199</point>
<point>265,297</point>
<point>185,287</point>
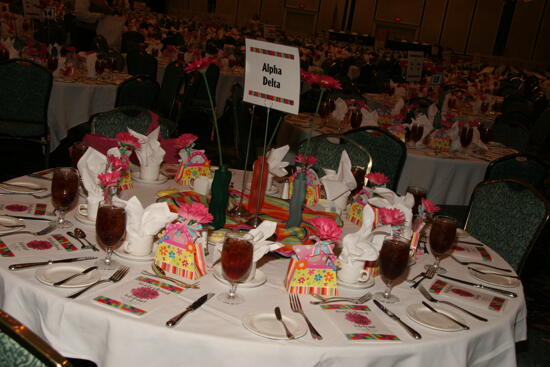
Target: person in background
<point>87,13</point>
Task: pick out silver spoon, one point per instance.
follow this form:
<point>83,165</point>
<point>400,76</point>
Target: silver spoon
<point>82,245</point>
<point>82,235</point>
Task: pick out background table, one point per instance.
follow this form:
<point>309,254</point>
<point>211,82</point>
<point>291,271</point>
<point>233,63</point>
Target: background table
<point>213,335</point>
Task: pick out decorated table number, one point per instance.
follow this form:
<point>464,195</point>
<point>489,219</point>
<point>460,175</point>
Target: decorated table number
<point>46,246</point>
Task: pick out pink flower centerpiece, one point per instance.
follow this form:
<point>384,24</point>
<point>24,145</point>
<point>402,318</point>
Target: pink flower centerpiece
<point>327,228</point>
<point>378,178</point>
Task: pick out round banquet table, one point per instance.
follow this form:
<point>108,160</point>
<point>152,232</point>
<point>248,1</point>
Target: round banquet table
<point>449,178</point>
<point>214,335</point>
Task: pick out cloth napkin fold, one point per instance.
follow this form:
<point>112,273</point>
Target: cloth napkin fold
<point>90,165</point>
<point>60,66</point>
<point>386,198</point>
<point>259,235</point>
<point>396,110</point>
<point>454,134</point>
<point>370,118</point>
<point>275,161</point>
<point>150,152</point>
<point>338,183</point>
<point>476,140</point>
<point>432,112</point>
<point>340,110</point>
<point>400,92</point>
<point>8,45</point>
<point>427,126</point>
<point>148,221</point>
<point>90,63</point>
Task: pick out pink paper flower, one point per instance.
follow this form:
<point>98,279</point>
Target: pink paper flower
<point>358,319</point>
<point>309,77</point>
<point>328,82</point>
<point>127,139</point>
<point>393,217</point>
<point>200,64</point>
<point>474,123</point>
<point>108,179</point>
<point>306,160</point>
<point>326,228</point>
<point>144,293</point>
<point>185,140</point>
<point>117,163</point>
<point>429,206</point>
<point>39,245</point>
<point>378,178</point>
<point>195,211</point>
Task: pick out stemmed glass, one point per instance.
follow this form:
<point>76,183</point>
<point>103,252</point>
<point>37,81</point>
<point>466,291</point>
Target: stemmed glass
<point>110,227</point>
<point>416,132</point>
<point>100,65</point>
<point>442,237</point>
<point>52,63</point>
<point>393,259</point>
<point>419,193</point>
<point>466,135</point>
<point>358,173</point>
<point>65,185</point>
<point>356,118</point>
<point>236,260</point>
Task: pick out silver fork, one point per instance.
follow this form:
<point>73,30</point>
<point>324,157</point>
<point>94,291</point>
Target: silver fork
<point>430,298</point>
<point>42,232</point>
<point>296,306</point>
<point>480,263</point>
<point>357,300</point>
<point>117,276</point>
<point>429,274</point>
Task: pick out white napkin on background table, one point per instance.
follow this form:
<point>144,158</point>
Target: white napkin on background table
<point>275,161</point>
<point>386,198</point>
<point>370,118</point>
<point>91,164</point>
<point>340,110</point>
<point>8,44</point>
<point>90,63</point>
<point>427,126</point>
<point>476,140</point>
<point>396,110</point>
<point>432,111</point>
<point>148,221</point>
<point>150,152</point>
<point>454,134</point>
<point>338,183</point>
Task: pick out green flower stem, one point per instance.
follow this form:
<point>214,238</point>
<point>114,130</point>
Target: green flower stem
<point>203,72</point>
<point>307,152</point>
<point>319,101</point>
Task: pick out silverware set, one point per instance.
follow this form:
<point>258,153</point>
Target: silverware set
<point>42,232</point>
<point>296,306</point>
<point>116,277</point>
<point>479,263</point>
<point>430,298</point>
<point>357,300</point>
<point>428,274</point>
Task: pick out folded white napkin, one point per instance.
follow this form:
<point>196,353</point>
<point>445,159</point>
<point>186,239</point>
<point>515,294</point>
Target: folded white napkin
<point>400,92</point>
<point>370,118</point>
<point>386,198</point>
<point>427,127</point>
<point>90,63</point>
<point>90,165</point>
<point>338,183</point>
<point>353,72</point>
<point>275,161</point>
<point>148,221</point>
<point>340,110</point>
<point>259,235</point>
<point>476,140</point>
<point>454,134</point>
<point>8,44</point>
<point>60,66</point>
<point>396,110</point>
<point>432,111</point>
<point>150,152</point>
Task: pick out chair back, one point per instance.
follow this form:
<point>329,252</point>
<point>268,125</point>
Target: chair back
<point>140,90</point>
<point>130,41</point>
<point>197,92</point>
<point>173,82</point>
<point>387,151</point>
<point>507,215</point>
<point>141,63</point>
<point>21,347</point>
<point>328,151</point>
<point>520,166</point>
<point>120,119</point>
<point>511,132</point>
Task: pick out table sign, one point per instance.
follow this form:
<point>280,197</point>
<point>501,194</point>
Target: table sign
<point>39,210</point>
<point>33,246</point>
<point>414,66</point>
<point>467,295</point>
<point>272,76</point>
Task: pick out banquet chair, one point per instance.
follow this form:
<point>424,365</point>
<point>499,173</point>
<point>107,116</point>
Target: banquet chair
<point>173,82</point>
<point>328,149</point>
<point>141,63</point>
<point>139,90</point>
<point>120,119</point>
<point>524,167</point>
<point>130,41</point>
<point>25,89</point>
<point>19,346</point>
<point>387,151</point>
<point>508,215</point>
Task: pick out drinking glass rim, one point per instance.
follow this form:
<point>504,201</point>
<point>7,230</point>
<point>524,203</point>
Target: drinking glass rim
<point>445,217</point>
<point>422,189</point>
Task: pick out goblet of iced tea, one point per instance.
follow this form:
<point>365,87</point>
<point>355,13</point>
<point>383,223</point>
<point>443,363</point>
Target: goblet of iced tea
<point>466,136</point>
<point>442,237</point>
<point>236,261</point>
<point>393,260</point>
<point>65,185</point>
<point>110,227</point>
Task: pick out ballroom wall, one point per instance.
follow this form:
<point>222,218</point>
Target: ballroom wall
<point>465,26</point>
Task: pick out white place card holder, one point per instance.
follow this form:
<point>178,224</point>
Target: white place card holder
<point>272,76</point>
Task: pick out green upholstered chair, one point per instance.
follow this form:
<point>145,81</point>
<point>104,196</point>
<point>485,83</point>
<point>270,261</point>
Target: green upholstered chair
<point>387,151</point>
<point>520,166</point>
<point>20,347</point>
<point>136,118</point>
<point>173,82</point>
<point>25,89</point>
<point>140,90</point>
<point>511,133</point>
<point>141,63</point>
<point>507,215</point>
<point>328,150</point>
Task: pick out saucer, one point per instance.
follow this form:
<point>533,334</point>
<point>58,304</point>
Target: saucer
<point>266,324</point>
<point>357,285</point>
<point>83,218</point>
<point>56,272</point>
<point>161,179</point>
<point>426,317</point>
<point>120,252</point>
<point>258,280</point>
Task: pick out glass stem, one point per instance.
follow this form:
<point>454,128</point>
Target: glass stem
<point>388,290</point>
<point>109,253</point>
<point>60,216</point>
<point>233,290</point>
<point>436,264</point>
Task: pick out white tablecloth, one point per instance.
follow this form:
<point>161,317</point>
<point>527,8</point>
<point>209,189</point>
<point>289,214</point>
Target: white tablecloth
<point>214,335</point>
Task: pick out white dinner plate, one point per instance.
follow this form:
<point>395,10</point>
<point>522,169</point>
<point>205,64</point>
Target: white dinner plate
<point>160,180</point>
<point>10,221</point>
<point>357,285</point>
<point>81,217</point>
<point>127,256</point>
<point>426,317</point>
<point>259,279</point>
<point>23,187</point>
<point>54,273</point>
<point>266,324</point>
<point>493,279</point>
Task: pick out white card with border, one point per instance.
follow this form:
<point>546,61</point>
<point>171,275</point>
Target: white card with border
<point>272,76</point>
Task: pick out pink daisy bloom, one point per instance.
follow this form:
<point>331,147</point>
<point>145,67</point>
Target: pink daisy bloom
<point>307,160</point>
<point>328,82</point>
<point>326,228</point>
<point>184,140</point>
<point>200,64</point>
<point>195,211</point>
<point>117,163</point>
<point>378,178</point>
<point>429,206</point>
<point>393,217</point>
<point>108,179</point>
<point>127,139</point>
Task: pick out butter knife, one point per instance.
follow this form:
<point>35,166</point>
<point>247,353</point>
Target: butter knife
<point>22,186</point>
<point>464,326</point>
<point>199,302</point>
<point>409,329</point>
<point>481,286</point>
<point>85,271</point>
<point>29,218</point>
<point>48,262</point>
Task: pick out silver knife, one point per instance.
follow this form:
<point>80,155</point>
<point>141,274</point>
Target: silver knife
<point>199,302</point>
<point>85,271</point>
<point>30,218</point>
<point>481,286</point>
<point>23,186</point>
<point>48,262</point>
<point>464,326</point>
<point>409,329</point>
